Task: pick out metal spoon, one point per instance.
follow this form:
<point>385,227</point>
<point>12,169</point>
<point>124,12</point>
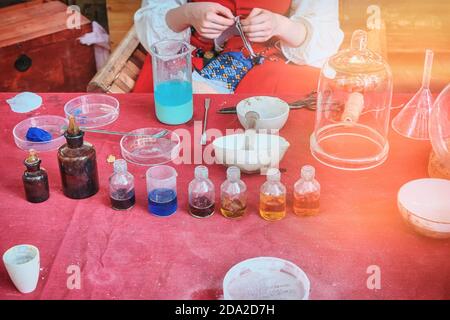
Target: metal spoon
<point>157,135</point>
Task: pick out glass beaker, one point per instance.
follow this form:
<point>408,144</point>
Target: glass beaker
<point>172,81</point>
<point>353,108</point>
<point>162,190</point>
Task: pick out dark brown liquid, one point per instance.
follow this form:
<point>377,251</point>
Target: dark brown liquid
<point>123,200</point>
<point>201,207</point>
<point>78,167</point>
<point>36,186</point>
<point>123,204</point>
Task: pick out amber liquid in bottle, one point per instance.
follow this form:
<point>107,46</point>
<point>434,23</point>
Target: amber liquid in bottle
<point>272,208</point>
<point>232,208</point>
<point>307,204</point>
<point>77,165</point>
<point>35,180</point>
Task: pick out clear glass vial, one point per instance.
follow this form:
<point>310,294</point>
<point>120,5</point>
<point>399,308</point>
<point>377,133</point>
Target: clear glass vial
<point>121,187</point>
<point>233,194</point>
<point>307,193</point>
<point>272,197</point>
<point>201,194</point>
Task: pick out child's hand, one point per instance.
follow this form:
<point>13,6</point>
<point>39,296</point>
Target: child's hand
<point>209,19</point>
<point>261,25</point>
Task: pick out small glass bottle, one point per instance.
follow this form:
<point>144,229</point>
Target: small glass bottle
<point>77,164</point>
<point>233,194</point>
<point>307,193</point>
<point>35,179</point>
<point>121,187</point>
<point>201,194</point>
<point>272,199</point>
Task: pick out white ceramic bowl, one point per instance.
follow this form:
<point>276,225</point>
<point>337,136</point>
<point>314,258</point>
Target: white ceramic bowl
<point>273,112</point>
<point>425,206</point>
<point>268,151</point>
<point>266,278</point>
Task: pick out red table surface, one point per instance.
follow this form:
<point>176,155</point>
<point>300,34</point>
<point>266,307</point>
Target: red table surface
<point>134,255</point>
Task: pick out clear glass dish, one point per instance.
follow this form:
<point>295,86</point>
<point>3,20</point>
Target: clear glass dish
<point>53,124</point>
<point>93,110</point>
<point>149,151</point>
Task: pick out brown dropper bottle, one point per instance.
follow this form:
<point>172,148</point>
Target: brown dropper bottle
<point>35,179</point>
<point>77,164</point>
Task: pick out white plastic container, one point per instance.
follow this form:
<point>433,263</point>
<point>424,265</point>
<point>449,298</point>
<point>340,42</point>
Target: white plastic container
<point>22,263</point>
<point>266,278</point>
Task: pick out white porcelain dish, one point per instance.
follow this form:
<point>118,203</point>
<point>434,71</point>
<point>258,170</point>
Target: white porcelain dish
<point>425,206</point>
<point>268,150</point>
<point>266,278</point>
<point>273,112</point>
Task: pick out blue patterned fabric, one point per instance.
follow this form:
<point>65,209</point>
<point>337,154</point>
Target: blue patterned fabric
<point>229,67</point>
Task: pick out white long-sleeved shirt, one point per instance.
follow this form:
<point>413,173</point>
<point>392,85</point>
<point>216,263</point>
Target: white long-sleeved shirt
<point>321,18</point>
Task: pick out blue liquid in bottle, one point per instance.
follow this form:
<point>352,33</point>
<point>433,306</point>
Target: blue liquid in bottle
<point>162,202</point>
<point>173,102</point>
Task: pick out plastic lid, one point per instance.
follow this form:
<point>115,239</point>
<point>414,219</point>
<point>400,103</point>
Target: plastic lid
<point>273,174</point>
<point>201,172</point>
<point>308,172</point>
<point>266,278</point>
<point>233,173</point>
<point>120,166</point>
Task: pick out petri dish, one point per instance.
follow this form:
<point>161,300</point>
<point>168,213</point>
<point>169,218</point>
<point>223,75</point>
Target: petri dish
<point>149,151</point>
<point>93,110</point>
<point>53,124</point>
<point>266,278</point>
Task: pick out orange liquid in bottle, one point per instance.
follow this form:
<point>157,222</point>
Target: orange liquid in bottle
<point>306,204</point>
<point>272,208</point>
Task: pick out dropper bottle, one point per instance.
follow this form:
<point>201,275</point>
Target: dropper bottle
<point>35,179</point>
<point>77,164</point>
<point>121,187</point>
<point>233,194</point>
<point>272,203</point>
<point>307,193</point>
<point>201,194</point>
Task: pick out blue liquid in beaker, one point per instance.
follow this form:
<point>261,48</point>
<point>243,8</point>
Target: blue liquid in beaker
<point>173,102</point>
<point>162,202</point>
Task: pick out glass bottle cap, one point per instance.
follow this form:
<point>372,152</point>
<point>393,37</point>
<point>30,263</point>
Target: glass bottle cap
<point>201,172</point>
<point>233,173</point>
<point>273,174</point>
<point>120,166</point>
<point>308,172</point>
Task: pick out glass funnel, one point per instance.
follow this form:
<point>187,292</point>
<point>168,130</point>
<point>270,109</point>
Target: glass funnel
<point>353,108</point>
<point>440,127</point>
<point>412,120</point>
<point>172,81</point>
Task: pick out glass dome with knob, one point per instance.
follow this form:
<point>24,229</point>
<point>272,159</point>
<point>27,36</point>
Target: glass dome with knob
<point>353,108</point>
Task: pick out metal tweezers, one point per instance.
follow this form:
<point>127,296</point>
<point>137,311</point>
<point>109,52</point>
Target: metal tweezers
<point>309,102</point>
<point>247,44</point>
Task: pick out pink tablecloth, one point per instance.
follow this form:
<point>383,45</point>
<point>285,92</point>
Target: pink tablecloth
<point>125,255</point>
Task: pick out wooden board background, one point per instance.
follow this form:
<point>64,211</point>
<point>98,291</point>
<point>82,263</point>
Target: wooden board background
<point>120,18</point>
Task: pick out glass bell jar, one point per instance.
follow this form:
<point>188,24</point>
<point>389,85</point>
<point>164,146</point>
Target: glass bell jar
<point>439,127</point>
<point>353,108</point>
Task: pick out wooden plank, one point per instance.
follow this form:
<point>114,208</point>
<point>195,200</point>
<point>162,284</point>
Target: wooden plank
<point>116,62</point>
<point>120,18</point>
<point>38,25</point>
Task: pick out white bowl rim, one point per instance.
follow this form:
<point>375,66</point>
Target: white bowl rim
<point>407,185</point>
<point>240,105</point>
<point>282,139</point>
<point>304,277</point>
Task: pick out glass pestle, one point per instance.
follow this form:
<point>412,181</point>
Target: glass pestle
<point>412,120</point>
